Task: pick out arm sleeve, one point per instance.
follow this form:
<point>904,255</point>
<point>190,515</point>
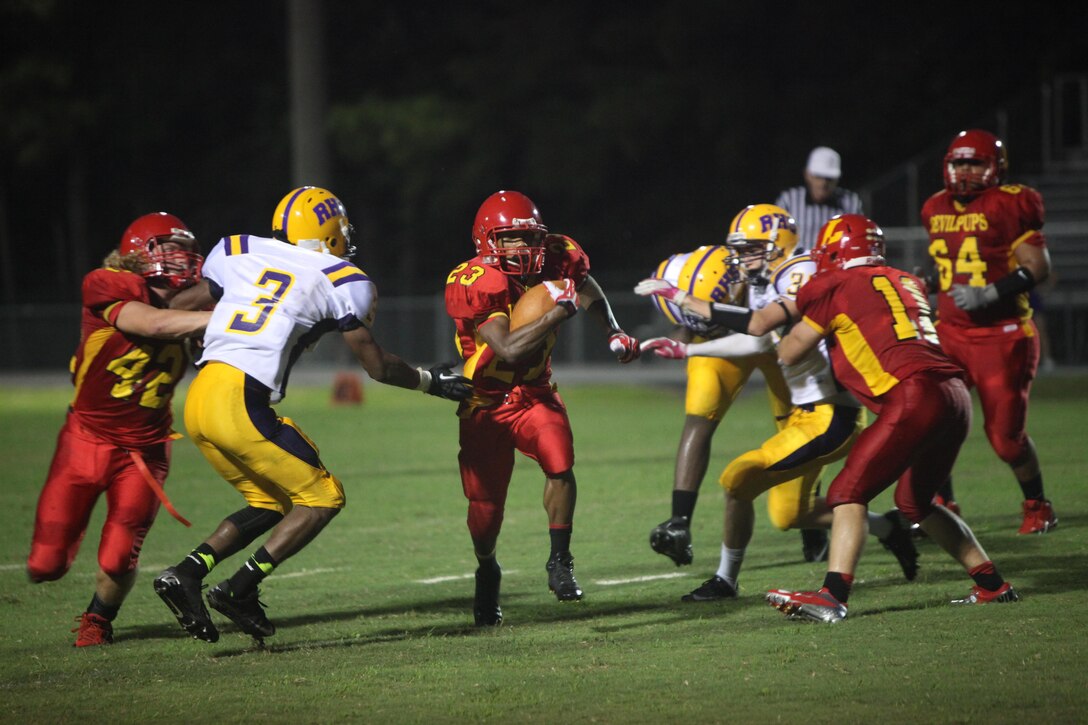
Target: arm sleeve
<point>106,291</point>
<point>732,346</point>
<point>355,304</point>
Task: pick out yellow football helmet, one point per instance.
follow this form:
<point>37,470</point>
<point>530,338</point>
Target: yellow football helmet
<point>760,238</point>
<point>705,273</point>
<point>313,218</point>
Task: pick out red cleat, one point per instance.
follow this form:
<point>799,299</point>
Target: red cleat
<point>979,595</point>
<point>93,630</point>
<point>1039,517</point>
<point>818,606</point>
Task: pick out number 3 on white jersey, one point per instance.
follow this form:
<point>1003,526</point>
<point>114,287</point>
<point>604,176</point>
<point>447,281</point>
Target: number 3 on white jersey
<point>277,282</point>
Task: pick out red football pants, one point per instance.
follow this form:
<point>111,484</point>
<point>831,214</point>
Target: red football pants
<point>923,422</point>
<point>532,422</point>
<point>1001,366</point>
<point>84,467</point>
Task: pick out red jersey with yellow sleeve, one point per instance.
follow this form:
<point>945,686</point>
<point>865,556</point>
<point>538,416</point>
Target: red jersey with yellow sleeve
<point>877,323</point>
<point>477,293</point>
<point>123,384</point>
<point>564,258</point>
<point>973,242</point>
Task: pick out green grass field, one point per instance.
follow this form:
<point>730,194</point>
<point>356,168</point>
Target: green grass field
<point>374,618</point>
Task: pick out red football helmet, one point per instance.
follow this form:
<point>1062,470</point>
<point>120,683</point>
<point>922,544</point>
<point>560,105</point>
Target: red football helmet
<point>509,211</point>
<point>177,268</point>
<point>985,149</point>
<point>846,241</point>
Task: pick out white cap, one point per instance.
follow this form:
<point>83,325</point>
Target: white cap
<point>825,162</point>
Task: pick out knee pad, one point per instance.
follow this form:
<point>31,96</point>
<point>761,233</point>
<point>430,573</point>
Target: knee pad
<point>251,522</point>
<point>782,515</point>
<point>484,519</point>
<point>1013,451</point>
<point>744,478</point>
<point>46,565</point>
<point>119,551</point>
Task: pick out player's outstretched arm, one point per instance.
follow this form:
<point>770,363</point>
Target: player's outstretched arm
<point>390,369</point>
<point>137,318</point>
<point>595,302</point>
<point>197,297</point>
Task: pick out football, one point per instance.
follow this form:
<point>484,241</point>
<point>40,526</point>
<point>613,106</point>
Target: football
<point>534,303</point>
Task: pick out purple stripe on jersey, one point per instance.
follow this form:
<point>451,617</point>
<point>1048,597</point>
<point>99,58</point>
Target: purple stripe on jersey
<point>287,208</point>
<point>243,242</point>
<point>335,267</point>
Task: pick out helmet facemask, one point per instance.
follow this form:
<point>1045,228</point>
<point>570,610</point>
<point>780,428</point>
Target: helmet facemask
<point>171,262</point>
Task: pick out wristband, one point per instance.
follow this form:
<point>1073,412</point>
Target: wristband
<point>1021,280</point>
<point>730,316</point>
<point>424,380</point>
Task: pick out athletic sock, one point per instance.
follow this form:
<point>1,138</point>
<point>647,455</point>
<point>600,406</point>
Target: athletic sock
<point>560,537</point>
<point>200,561</point>
<point>1033,489</point>
<point>252,573</point>
<point>729,568</point>
<point>106,611</point>
<point>683,503</point>
<point>838,585</point>
<point>986,576</point>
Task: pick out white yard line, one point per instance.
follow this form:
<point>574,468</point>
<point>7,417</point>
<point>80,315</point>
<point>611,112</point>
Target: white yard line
<point>635,579</point>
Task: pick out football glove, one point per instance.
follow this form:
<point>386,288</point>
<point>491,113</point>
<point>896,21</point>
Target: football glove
<point>661,288</point>
<point>969,298</point>
<point>447,384</point>
<point>564,294</point>
<point>666,347</point>
<point>624,347</point>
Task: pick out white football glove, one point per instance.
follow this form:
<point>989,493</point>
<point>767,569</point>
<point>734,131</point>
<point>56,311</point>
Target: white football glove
<point>565,294</point>
<point>969,298</point>
<point>661,288</point>
<point>624,347</point>
<point>666,347</point>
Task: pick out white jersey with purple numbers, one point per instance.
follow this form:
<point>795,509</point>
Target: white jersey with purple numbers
<point>275,300</point>
<point>809,379</point>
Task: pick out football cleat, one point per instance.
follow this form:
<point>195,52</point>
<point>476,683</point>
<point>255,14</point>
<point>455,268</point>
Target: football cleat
<point>1039,517</point>
<point>900,544</point>
<point>561,577</point>
<point>672,538</point>
<point>93,630</point>
<point>712,590</point>
<point>485,608</point>
<point>182,595</point>
<point>818,606</point>
<point>979,595</point>
<point>814,544</point>
<point>247,612</point>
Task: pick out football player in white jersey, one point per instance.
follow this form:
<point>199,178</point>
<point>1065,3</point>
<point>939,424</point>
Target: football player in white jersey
<point>273,299</point>
<point>824,422</point>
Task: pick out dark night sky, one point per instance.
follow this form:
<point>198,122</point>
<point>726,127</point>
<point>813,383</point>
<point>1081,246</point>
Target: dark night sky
<point>638,131</point>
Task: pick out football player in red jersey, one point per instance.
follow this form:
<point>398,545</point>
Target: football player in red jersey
<point>116,439</point>
<point>515,406</point>
<point>989,250</point>
<point>884,350</point>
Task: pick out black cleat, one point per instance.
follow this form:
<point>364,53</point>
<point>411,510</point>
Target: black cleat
<point>246,612</point>
<point>672,538</point>
<point>713,589</point>
<point>485,608</point>
<point>561,577</point>
<point>901,545</point>
<point>814,544</point>
<point>182,595</point>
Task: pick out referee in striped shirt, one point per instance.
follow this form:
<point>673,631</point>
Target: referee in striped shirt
<point>820,198</point>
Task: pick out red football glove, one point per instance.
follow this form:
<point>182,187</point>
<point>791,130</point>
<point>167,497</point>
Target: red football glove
<point>564,294</point>
<point>666,347</point>
<point>624,347</point>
